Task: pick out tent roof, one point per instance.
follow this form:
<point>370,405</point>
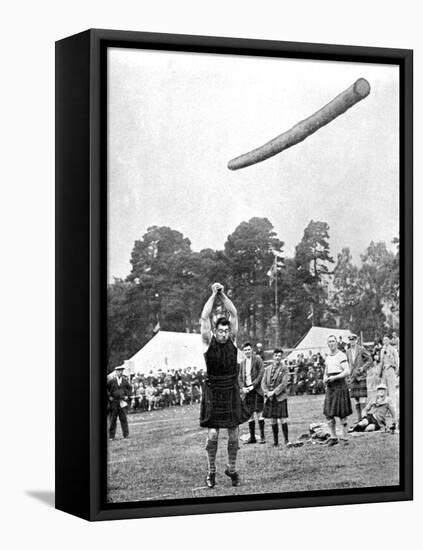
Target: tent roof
<point>168,350</point>
<point>316,340</point>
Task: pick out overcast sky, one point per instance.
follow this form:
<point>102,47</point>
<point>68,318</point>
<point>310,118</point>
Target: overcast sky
<point>176,119</point>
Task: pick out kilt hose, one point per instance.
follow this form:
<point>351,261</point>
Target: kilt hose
<point>275,409</point>
<point>254,402</point>
<point>337,400</point>
<point>358,388</point>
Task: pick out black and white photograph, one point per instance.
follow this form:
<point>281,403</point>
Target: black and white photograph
<point>253,275</point>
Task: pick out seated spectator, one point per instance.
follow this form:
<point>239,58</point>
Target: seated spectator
<point>300,383</point>
<point>376,412</point>
<point>310,381</point>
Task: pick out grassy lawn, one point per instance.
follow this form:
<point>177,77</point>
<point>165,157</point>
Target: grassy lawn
<point>165,458</point>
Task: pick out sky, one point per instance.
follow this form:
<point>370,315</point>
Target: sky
<point>175,119</point>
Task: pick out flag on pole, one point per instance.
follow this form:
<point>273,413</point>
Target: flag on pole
<point>278,264</point>
<point>311,313</point>
<point>156,328</point>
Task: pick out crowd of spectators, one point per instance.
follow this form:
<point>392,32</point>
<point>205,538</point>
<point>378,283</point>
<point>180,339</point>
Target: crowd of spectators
<point>178,387</point>
<point>166,389</point>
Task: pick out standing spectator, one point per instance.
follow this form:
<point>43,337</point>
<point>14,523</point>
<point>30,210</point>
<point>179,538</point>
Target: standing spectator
<point>389,365</point>
<point>118,391</point>
<point>250,376</point>
<point>395,341</point>
<point>337,398</point>
<point>341,344</point>
<point>259,350</point>
<point>292,378</point>
<point>275,390</point>
<point>359,361</point>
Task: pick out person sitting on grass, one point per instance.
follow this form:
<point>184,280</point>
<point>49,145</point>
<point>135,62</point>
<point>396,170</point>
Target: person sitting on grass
<point>376,412</point>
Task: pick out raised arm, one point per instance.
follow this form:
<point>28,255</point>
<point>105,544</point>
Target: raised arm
<point>233,315</point>
<point>205,318</point>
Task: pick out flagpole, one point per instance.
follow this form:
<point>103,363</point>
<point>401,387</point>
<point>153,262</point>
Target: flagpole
<point>276,307</point>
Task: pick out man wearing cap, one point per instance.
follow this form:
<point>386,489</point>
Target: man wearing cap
<point>376,412</point>
<point>359,360</point>
<point>118,392</point>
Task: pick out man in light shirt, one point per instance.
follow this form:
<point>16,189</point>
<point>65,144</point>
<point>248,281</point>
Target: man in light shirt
<point>389,366</point>
<point>250,377</point>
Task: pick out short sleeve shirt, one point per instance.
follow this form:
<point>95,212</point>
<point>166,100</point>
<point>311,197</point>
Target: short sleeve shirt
<point>336,363</point>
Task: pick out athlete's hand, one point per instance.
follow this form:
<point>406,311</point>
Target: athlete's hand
<point>217,287</point>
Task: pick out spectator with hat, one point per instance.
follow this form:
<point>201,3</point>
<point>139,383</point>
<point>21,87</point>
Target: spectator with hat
<point>359,360</point>
<point>376,412</point>
<point>118,392</point>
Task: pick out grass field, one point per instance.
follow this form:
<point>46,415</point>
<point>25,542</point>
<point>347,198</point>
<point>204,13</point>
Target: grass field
<point>165,458</point>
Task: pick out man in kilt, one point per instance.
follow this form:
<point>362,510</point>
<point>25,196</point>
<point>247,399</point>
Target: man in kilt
<point>221,405</point>
<point>359,360</point>
<point>275,390</point>
<point>250,376</point>
<point>337,398</point>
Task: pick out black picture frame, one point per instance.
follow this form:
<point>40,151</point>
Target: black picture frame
<point>81,248</point>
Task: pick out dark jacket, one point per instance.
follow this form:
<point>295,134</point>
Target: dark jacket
<point>118,392</point>
<point>257,370</point>
<point>359,366</point>
<point>281,378</point>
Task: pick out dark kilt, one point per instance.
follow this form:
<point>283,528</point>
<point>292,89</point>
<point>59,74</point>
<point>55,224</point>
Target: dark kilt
<point>275,409</point>
<point>337,400</point>
<point>254,402</point>
<point>221,405</point>
<point>358,388</point>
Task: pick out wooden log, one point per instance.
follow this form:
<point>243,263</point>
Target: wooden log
<point>341,103</point>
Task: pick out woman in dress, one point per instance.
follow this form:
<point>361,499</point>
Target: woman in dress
<point>337,398</point>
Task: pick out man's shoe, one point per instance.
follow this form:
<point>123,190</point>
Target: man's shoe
<point>251,440</point>
<point>332,441</point>
<point>211,480</point>
<point>234,477</point>
<point>262,441</point>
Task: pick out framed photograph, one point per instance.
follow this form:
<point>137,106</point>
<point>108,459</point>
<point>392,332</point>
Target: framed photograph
<point>234,274</point>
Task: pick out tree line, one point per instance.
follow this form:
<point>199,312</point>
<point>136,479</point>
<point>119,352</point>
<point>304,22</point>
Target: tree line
<point>169,283</point>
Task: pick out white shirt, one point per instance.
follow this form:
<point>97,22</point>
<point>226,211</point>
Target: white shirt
<point>333,362</point>
<point>248,370</point>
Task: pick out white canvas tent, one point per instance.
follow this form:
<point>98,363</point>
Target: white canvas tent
<point>168,350</point>
<point>316,341</point>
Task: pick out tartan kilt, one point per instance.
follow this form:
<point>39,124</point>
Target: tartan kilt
<point>358,388</point>
<point>221,407</point>
<point>275,409</point>
<point>337,400</point>
<point>254,402</point>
